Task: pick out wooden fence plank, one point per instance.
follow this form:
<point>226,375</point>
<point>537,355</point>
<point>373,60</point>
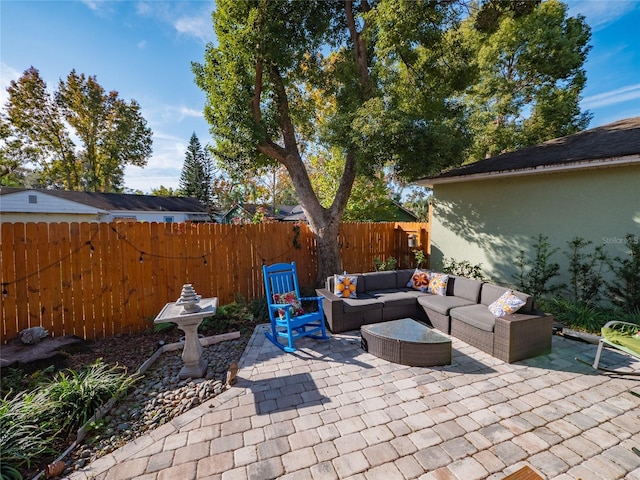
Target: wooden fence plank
<point>89,308</point>
<point>194,250</point>
<point>157,269</point>
<point>172,246</point>
<point>133,257</point>
<point>206,232</point>
<point>33,274</point>
<point>225,261</point>
<point>22,304</point>
<point>47,272</point>
<point>144,274</point>
<point>8,304</point>
<point>55,272</point>
<point>78,296</point>
<point>66,278</point>
<point>118,251</point>
<point>101,252</point>
<point>94,315</point>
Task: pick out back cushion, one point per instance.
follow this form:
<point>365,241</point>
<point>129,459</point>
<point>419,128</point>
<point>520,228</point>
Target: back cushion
<point>464,288</point>
<point>403,277</point>
<point>489,293</point>
<point>379,280</point>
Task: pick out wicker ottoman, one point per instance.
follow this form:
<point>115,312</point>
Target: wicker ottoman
<point>407,342</point>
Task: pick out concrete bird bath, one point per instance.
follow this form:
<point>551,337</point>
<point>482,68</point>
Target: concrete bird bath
<point>188,312</point>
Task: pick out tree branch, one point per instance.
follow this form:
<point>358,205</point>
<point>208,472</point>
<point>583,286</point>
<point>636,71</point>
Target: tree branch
<point>257,92</point>
<point>284,119</point>
<point>344,188</point>
<point>359,47</point>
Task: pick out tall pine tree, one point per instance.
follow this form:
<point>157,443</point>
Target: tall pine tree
<point>195,179</point>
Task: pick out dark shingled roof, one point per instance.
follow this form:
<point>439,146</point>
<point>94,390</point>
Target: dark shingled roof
<point>615,140</point>
<point>122,201</point>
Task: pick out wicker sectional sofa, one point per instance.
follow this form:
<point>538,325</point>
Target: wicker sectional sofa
<point>463,312</point>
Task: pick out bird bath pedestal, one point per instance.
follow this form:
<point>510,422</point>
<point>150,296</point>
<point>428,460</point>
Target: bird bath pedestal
<point>194,365</point>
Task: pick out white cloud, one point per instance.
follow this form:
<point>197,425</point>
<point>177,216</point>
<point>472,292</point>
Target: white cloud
<point>192,19</point>
<point>189,112</point>
<point>101,8</point>
<point>600,13</point>
<point>144,9</point>
<point>619,95</point>
<point>92,4</point>
<point>142,44</point>
<point>7,74</point>
<point>171,114</point>
<point>197,26</point>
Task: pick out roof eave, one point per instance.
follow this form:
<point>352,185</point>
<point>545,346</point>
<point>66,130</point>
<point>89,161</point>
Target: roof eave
<point>540,169</point>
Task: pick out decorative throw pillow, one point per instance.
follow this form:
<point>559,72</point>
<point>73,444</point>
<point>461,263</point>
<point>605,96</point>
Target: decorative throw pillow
<point>419,280</point>
<point>507,303</point>
<point>295,307</point>
<point>345,286</point>
<point>438,283</point>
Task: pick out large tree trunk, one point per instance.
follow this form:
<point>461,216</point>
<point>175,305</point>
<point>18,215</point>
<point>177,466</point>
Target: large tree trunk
<point>325,225</point>
<point>328,250</point>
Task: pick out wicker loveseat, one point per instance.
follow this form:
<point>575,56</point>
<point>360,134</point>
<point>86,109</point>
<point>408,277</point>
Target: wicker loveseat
<point>463,312</point>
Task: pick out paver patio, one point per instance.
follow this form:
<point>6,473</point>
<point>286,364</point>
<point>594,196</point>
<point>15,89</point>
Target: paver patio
<point>333,411</point>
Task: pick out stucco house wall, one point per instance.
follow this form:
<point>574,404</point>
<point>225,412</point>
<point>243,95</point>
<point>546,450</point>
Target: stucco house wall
<point>491,221</point>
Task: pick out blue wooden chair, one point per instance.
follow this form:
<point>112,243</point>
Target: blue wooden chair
<point>288,320</point>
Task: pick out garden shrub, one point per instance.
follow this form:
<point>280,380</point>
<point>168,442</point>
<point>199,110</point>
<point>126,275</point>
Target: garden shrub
<point>576,314</point>
<point>533,277</point>
<point>585,271</point>
<point>624,291</point>
<point>463,269</point>
<point>383,265</point>
<point>421,258</point>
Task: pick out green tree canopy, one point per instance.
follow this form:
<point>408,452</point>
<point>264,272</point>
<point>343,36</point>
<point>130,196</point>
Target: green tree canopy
<point>373,81</point>
<point>530,58</point>
<point>195,179</point>
<point>112,132</point>
<point>163,191</point>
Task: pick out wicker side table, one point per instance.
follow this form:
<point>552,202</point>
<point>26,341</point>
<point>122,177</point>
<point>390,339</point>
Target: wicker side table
<point>406,342</point>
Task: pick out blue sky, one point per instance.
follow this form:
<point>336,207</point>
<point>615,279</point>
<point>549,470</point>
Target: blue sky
<point>144,50</point>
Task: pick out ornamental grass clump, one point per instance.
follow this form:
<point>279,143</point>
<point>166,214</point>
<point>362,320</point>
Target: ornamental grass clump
<point>577,315</point>
<point>22,435</point>
<point>35,423</point>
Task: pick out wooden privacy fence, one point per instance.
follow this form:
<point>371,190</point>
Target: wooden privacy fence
<point>99,279</point>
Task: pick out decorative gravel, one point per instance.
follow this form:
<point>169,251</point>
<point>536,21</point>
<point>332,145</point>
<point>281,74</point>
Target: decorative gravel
<point>157,398</point>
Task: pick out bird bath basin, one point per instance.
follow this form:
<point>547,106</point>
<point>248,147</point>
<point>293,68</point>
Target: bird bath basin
<point>195,366</point>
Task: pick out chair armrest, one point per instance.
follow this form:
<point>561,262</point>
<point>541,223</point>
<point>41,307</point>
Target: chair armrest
<point>328,295</point>
<point>518,336</point>
<point>311,298</point>
<point>614,323</point>
<point>332,306</point>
